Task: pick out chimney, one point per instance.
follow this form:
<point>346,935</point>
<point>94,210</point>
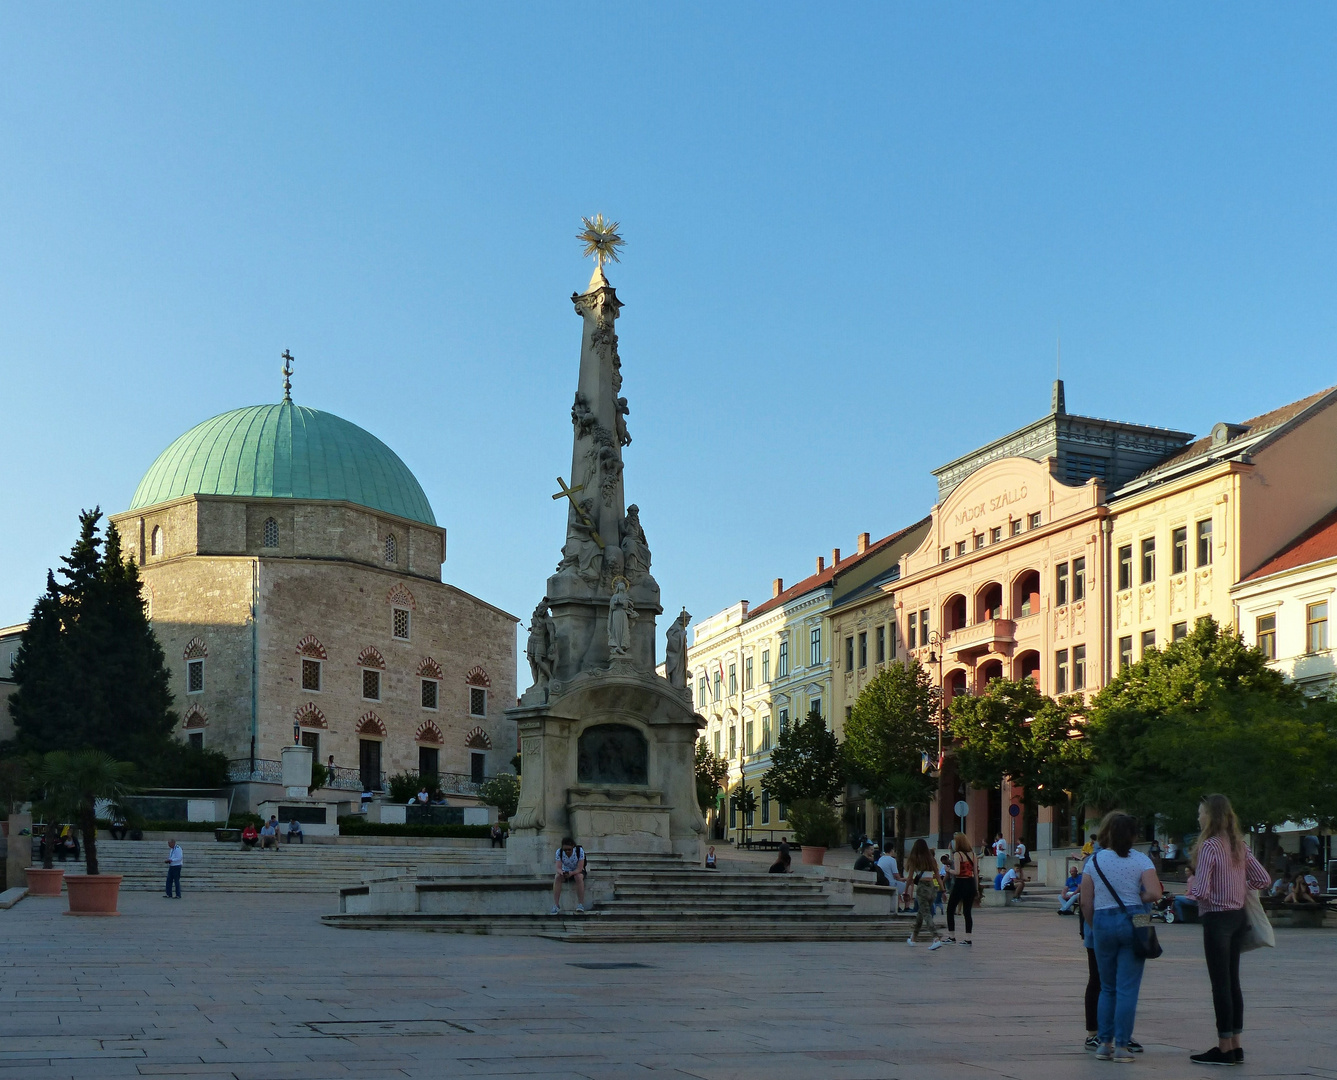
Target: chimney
<point>821,564</point>
<point>777,587</point>
<point>863,543</point>
<point>835,556</point>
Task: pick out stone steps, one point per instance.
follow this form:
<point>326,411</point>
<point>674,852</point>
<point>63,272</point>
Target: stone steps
<point>303,868</point>
<point>596,928</point>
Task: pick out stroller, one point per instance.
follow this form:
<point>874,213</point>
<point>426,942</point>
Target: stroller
<point>1163,910</point>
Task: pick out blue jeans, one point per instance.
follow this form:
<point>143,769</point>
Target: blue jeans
<point>174,878</point>
<point>1120,975</point>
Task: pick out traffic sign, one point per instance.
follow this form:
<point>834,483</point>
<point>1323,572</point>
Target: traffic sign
<point>962,808</point>
<point>1014,809</point>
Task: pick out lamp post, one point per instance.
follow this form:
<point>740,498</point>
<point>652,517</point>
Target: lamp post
<point>935,657</point>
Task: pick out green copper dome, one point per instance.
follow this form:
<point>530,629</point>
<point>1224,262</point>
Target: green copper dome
<point>284,451</point>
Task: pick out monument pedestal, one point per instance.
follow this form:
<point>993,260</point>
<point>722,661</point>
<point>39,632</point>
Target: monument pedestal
<point>610,761</point>
<point>318,817</point>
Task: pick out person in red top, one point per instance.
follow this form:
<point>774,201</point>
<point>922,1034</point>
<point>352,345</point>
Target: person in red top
<point>1222,871</point>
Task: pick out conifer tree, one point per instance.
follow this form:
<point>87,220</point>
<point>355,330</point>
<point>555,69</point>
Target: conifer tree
<point>89,669</point>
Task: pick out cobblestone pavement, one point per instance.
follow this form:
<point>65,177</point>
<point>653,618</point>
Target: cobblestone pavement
<point>254,986</point>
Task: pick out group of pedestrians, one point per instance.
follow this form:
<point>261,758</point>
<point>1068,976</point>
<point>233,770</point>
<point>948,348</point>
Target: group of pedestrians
<point>1119,883</point>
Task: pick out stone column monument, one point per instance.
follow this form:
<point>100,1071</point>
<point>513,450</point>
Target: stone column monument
<point>607,746</point>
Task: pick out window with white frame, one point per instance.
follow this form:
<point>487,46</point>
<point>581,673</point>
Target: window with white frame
<point>195,677</point>
<point>815,645</point>
<point>400,623</point>
<point>477,701</point>
<point>765,665</point>
<point>1316,627</point>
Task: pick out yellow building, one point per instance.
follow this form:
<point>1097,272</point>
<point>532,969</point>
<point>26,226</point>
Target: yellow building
<point>753,670</point>
<point>1185,532</point>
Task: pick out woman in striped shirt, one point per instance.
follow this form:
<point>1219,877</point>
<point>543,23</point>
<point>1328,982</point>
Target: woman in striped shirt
<point>1222,872</point>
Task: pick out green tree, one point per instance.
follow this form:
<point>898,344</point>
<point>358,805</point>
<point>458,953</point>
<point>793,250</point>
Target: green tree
<point>744,800</point>
<point>89,669</point>
<point>892,726</point>
<point>503,792</point>
<point>73,782</point>
<point>1207,714</point>
<point>1014,730</point>
<point>711,773</point>
<point>806,763</point>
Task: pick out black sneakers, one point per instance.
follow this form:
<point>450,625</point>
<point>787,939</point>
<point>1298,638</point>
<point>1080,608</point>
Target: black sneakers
<point>1215,1056</point>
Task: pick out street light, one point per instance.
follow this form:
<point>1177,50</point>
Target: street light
<point>935,657</point>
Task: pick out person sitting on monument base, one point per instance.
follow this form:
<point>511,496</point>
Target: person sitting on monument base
<point>570,867</point>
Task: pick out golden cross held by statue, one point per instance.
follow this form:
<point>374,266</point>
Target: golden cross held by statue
<point>569,493</point>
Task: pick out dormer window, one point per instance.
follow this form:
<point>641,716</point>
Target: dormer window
<point>271,533</point>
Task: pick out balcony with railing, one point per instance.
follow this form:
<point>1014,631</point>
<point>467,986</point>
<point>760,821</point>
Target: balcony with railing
<point>990,635</point>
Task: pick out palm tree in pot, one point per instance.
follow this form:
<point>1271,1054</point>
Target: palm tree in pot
<point>73,783</point>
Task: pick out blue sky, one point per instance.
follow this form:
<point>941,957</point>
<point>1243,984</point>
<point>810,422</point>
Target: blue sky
<point>854,236</point>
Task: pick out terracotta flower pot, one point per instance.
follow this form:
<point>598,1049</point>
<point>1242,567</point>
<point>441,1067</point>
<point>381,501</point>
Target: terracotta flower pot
<point>812,856</point>
<point>93,894</point>
<point>43,882</point>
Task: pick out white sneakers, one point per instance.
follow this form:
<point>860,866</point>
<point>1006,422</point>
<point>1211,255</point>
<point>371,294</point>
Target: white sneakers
<point>937,944</point>
<point>580,907</point>
<point>555,910</point>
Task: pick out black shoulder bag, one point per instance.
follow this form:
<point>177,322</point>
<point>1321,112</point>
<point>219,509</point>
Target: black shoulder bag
<point>1146,946</point>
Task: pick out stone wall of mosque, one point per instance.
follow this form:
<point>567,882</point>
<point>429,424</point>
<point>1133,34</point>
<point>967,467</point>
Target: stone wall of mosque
<point>283,528</point>
<point>405,662</point>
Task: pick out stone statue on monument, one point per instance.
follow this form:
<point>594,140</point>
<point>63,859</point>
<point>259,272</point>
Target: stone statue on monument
<point>621,614</point>
<point>635,548</point>
<point>675,651</point>
<point>541,648</point>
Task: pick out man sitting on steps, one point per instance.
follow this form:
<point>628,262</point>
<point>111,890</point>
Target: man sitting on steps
<point>570,867</point>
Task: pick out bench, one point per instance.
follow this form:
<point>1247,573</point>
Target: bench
<point>1297,916</point>
<point>228,836</point>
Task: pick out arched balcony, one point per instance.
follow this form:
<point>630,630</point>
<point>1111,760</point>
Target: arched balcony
<point>1026,665</point>
<point>1026,594</point>
<point>954,613</point>
<point>989,602</point>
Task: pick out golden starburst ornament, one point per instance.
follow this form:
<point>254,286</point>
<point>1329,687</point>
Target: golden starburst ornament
<point>601,239</point>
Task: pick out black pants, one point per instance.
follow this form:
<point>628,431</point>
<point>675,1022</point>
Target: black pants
<point>1092,991</point>
<point>963,893</point>
<point>1222,934</point>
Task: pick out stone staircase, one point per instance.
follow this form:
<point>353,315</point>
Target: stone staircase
<point>299,868</point>
<point>654,898</point>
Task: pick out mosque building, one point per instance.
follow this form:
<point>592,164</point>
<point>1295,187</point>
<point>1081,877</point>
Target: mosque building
<point>292,567</point>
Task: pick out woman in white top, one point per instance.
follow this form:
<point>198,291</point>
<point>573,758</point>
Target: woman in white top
<point>1115,873</point>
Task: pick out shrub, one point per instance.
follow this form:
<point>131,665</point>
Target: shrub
<point>403,786</point>
<point>815,824</point>
<point>503,792</point>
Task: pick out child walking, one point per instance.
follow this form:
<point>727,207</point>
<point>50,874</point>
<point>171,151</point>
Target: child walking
<point>923,874</point>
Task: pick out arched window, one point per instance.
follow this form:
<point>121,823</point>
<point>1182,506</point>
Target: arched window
<point>271,533</point>
<point>155,541</point>
<point>391,549</point>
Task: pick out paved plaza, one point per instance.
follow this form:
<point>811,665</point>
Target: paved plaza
<point>254,986</point>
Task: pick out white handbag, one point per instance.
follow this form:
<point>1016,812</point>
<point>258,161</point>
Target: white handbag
<point>1260,935</point>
